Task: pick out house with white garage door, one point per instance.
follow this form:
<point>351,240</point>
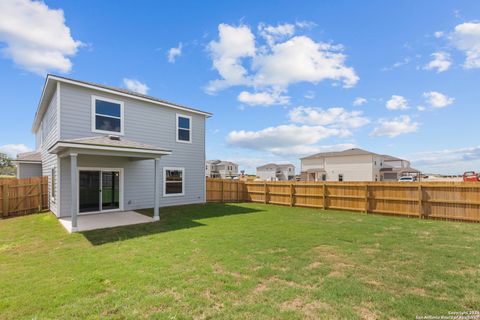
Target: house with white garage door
<point>107,149</point>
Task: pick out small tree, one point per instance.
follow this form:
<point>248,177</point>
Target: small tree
<point>5,160</point>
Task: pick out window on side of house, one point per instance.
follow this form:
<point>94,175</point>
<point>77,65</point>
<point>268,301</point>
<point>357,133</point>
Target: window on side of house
<point>174,181</point>
<point>107,116</point>
<point>340,177</point>
<point>53,189</point>
<point>184,128</point>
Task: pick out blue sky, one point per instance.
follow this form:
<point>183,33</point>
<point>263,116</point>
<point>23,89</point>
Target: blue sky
<point>283,80</point>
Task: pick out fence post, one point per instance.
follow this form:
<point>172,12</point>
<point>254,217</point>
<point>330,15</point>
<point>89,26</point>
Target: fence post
<point>265,193</point>
<point>420,201</point>
<point>367,199</point>
<point>324,196</point>
<point>223,191</point>
<point>5,205</point>
<point>40,194</point>
<point>291,194</point>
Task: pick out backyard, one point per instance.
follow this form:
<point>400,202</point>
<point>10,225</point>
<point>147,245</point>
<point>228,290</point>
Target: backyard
<point>241,260</point>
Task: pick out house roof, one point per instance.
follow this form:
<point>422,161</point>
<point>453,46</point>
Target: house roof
<point>348,152</point>
<point>104,142</point>
<point>29,157</point>
<point>285,165</point>
<point>220,162</point>
<point>386,157</point>
<point>50,85</point>
<point>404,170</point>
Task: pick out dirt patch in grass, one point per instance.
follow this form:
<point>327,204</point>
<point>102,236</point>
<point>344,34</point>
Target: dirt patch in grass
<point>365,313</point>
<point>308,309</point>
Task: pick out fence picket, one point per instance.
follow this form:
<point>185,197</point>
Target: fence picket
<point>439,200</point>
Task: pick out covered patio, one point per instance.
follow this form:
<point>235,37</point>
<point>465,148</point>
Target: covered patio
<point>96,183</point>
<point>104,220</point>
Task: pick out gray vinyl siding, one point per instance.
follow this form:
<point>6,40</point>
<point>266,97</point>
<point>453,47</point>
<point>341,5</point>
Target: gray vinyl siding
<point>28,170</point>
<point>49,125</point>
<point>146,123</point>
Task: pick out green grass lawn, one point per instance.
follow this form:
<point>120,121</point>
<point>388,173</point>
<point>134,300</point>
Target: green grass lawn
<point>242,261</point>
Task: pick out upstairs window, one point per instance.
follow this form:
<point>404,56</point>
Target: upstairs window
<point>107,116</point>
<point>184,128</point>
<point>173,182</point>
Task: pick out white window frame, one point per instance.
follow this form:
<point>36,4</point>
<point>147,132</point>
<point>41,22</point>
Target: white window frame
<point>94,115</point>
<point>190,129</point>
<point>165,182</point>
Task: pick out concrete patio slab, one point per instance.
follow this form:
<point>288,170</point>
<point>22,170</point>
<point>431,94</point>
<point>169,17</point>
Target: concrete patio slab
<point>105,220</point>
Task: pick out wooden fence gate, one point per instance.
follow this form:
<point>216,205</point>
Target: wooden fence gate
<point>23,196</point>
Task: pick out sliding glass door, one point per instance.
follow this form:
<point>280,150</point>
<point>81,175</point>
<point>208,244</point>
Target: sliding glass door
<point>110,190</point>
<point>99,190</point>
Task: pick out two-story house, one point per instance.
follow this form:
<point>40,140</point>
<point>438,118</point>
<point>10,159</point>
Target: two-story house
<point>354,165</point>
<point>108,149</point>
<point>221,169</point>
<point>276,172</point>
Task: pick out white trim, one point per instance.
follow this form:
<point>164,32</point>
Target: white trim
<point>165,181</point>
<point>101,169</point>
<point>94,114</point>
<point>190,130</point>
<point>59,180</point>
<point>98,147</point>
<point>58,111</point>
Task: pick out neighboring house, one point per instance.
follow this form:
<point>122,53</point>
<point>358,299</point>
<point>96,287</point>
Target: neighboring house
<point>109,149</point>
<point>276,172</point>
<point>29,164</point>
<point>354,165</point>
<point>221,169</point>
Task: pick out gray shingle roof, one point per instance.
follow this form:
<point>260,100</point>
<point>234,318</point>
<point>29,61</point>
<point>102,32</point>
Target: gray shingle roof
<point>108,141</point>
<point>29,157</point>
<point>348,152</point>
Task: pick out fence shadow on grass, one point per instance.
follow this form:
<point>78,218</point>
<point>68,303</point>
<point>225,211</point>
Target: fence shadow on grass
<point>171,219</point>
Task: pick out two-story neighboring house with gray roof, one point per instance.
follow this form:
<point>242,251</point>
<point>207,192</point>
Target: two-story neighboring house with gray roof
<point>276,172</point>
<point>354,165</point>
<point>221,169</point>
<point>108,149</point>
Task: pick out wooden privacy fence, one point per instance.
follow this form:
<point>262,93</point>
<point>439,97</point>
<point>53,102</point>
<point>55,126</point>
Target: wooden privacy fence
<point>23,196</point>
<point>440,200</point>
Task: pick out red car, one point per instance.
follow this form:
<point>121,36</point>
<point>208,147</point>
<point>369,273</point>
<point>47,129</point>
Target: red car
<point>471,176</point>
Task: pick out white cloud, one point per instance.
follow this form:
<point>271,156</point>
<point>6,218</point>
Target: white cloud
<point>333,117</point>
<point>308,61</point>
<point>309,95</point>
<point>438,34</point>
<point>448,161</point>
<point>262,98</point>
<point>421,108</point>
<point>36,36</point>
<point>234,43</point>
<point>466,38</point>
<point>13,149</point>
<point>359,101</point>
<point>307,127</point>
<point>273,34</point>
<point>437,99</point>
<point>135,85</point>
<point>304,150</point>
<point>441,61</point>
<point>395,127</point>
<point>397,103</point>
<point>267,67</point>
<point>174,53</point>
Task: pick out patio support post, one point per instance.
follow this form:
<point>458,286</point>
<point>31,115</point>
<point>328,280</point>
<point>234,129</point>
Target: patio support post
<point>74,190</point>
<point>156,189</point>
